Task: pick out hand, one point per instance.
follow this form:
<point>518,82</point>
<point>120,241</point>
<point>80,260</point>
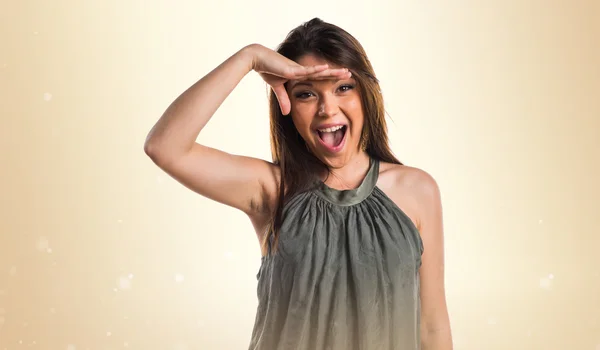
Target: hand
<point>275,69</point>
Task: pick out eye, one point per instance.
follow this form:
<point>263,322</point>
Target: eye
<point>346,87</point>
<point>303,95</point>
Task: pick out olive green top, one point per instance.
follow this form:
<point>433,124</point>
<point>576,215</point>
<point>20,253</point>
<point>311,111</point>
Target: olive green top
<point>345,275</point>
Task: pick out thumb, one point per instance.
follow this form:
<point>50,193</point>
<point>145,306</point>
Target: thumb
<point>283,99</point>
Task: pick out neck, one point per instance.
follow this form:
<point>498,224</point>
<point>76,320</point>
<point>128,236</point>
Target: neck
<point>351,174</point>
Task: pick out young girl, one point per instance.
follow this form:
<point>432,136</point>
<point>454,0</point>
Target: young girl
<point>352,239</point>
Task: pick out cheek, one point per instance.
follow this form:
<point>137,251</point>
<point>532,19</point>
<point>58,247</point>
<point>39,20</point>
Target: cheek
<point>354,113</point>
<point>355,105</point>
<point>303,110</point>
<point>302,122</point>
<point>303,114</point>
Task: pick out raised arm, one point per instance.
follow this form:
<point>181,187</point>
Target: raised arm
<point>241,182</point>
<point>245,183</point>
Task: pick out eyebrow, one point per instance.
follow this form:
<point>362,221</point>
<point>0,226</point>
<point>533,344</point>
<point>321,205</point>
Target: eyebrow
<point>306,83</point>
<point>300,83</point>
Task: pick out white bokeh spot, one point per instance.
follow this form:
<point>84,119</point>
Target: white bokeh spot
<point>545,283</point>
<point>124,283</point>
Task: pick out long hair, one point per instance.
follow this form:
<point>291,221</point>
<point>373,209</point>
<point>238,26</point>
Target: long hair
<point>289,151</point>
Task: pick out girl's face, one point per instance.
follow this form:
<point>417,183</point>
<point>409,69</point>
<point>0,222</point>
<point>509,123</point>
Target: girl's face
<point>328,115</point>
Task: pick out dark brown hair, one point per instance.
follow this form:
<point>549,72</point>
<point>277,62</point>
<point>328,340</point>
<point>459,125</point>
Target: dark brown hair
<point>298,166</point>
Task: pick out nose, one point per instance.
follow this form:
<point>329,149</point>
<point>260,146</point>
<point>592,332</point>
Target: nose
<point>328,106</point>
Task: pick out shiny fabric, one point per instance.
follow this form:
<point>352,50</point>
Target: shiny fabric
<point>345,277</point>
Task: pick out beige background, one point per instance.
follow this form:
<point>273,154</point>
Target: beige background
<point>99,249</point>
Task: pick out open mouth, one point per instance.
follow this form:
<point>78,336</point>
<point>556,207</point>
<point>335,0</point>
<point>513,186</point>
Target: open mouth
<point>333,137</point>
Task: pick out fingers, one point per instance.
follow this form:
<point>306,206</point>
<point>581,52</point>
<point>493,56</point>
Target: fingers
<point>328,73</point>
<point>300,71</point>
<point>318,72</point>
<point>337,73</point>
<point>283,99</point>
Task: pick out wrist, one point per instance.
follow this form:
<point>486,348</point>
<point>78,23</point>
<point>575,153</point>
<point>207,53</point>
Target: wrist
<point>249,56</point>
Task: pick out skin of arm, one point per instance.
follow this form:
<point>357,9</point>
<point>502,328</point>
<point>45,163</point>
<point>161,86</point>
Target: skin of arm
<point>417,194</point>
<point>435,323</point>
<point>245,183</point>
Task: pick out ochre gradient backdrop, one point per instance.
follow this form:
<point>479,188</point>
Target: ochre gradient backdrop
<point>99,249</point>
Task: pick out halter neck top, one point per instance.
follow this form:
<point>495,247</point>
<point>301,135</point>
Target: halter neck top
<point>345,275</point>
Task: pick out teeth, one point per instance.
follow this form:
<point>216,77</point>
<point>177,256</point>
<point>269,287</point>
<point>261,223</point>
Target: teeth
<point>335,128</point>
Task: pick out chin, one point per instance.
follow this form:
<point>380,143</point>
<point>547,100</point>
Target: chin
<point>338,158</point>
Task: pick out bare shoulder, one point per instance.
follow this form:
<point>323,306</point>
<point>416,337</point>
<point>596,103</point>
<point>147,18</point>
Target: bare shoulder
<point>407,175</point>
<point>412,189</point>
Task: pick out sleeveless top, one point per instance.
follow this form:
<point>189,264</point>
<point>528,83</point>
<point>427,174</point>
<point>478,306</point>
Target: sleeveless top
<point>345,275</point>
